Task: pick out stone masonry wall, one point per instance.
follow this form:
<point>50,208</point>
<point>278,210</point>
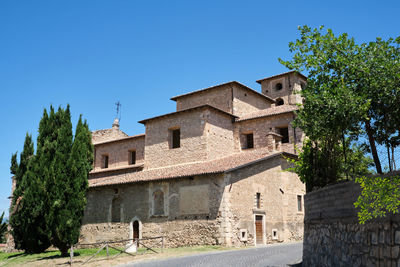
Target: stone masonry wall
<point>262,126</point>
<point>193,145</point>
<point>333,236</point>
<point>118,152</point>
<point>179,227</point>
<point>291,84</point>
<point>279,190</point>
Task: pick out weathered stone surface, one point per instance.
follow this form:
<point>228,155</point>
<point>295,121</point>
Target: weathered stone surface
<point>330,234</point>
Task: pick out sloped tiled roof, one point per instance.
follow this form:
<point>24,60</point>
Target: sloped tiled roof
<point>269,112</point>
<point>189,109</point>
<point>219,85</point>
<point>225,164</point>
<point>120,139</point>
<point>282,74</point>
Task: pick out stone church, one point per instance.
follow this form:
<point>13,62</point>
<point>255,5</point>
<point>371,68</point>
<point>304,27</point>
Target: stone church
<point>212,172</point>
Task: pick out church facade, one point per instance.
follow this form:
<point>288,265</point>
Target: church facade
<point>212,172</point>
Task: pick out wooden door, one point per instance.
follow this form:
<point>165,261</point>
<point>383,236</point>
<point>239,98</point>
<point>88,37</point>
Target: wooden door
<point>259,230</point>
<point>135,229</point>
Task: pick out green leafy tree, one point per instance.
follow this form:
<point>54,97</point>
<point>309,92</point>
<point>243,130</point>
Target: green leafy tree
<point>3,228</point>
<point>353,91</point>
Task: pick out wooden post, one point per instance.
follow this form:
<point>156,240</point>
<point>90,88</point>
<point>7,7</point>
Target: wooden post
<point>107,249</point>
<point>71,255</point>
<point>162,244</point>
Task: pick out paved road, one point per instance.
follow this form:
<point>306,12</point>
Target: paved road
<point>270,255</point>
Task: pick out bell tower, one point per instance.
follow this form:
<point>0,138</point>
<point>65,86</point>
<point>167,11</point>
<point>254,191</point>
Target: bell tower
<point>284,88</point>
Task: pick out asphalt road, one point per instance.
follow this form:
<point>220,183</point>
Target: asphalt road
<point>270,255</point>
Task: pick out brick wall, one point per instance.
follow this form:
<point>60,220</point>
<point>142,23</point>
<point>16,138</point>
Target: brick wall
<point>333,236</point>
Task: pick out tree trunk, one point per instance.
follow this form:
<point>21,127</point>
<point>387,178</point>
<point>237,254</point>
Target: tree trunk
<point>373,147</point>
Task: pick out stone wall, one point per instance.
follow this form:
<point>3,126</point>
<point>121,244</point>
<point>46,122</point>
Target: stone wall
<point>333,236</point>
<point>118,152</point>
<point>278,190</point>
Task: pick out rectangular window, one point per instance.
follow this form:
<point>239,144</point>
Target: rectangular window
<point>299,204</point>
<point>258,200</point>
<point>104,161</point>
<point>176,138</point>
<point>132,157</point>
<point>285,134</point>
<point>248,141</point>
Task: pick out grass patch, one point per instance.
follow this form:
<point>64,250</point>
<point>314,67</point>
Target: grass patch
<point>80,255</point>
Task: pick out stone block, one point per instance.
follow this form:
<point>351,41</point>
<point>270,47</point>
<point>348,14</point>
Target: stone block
<point>395,252</point>
<point>374,239</point>
<point>397,237</point>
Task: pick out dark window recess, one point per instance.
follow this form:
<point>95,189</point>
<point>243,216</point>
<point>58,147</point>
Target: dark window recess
<point>116,210</point>
<point>258,200</point>
<point>104,161</point>
<point>280,102</point>
<point>249,141</point>
<point>278,86</point>
<point>132,157</point>
<point>285,134</point>
<point>299,204</point>
<point>176,138</point>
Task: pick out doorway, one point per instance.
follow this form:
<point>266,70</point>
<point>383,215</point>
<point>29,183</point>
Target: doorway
<point>135,229</point>
<point>259,230</point>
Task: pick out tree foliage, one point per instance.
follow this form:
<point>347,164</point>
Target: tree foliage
<point>352,94</point>
<point>54,185</point>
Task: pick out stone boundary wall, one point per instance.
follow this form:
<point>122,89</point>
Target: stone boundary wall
<point>333,236</point>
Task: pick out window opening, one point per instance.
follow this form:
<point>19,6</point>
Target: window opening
<point>285,134</point>
<point>132,157</point>
<point>176,138</point>
<point>104,160</point>
<point>278,86</point>
<point>279,102</point>
<point>249,141</point>
<point>299,204</point>
<point>258,200</point>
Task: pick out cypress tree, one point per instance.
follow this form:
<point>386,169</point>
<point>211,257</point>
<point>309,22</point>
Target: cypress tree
<point>50,196</point>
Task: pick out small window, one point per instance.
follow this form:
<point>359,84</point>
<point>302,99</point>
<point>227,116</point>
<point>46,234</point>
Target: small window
<point>274,234</point>
<point>303,86</point>
<point>279,102</point>
<point>243,234</point>
<point>299,204</point>
<point>258,200</point>
<point>285,134</point>
<point>278,86</point>
<point>132,157</point>
<point>104,161</point>
<point>248,141</point>
<point>175,138</point>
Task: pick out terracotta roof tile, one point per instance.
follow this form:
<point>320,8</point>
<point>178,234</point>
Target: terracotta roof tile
<point>282,74</point>
<point>269,112</point>
<point>219,85</point>
<point>121,139</point>
<point>186,110</point>
<point>225,164</point>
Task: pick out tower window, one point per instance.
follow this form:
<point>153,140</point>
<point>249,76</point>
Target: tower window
<point>132,157</point>
<point>278,86</point>
<point>279,102</point>
<point>104,161</point>
<point>285,134</point>
<point>175,138</point>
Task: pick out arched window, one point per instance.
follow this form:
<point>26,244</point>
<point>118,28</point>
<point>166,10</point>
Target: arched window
<point>158,203</point>
<point>279,102</point>
<point>278,86</point>
<point>116,210</point>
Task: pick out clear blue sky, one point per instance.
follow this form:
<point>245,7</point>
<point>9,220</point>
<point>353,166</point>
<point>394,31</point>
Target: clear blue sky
<point>91,54</point>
